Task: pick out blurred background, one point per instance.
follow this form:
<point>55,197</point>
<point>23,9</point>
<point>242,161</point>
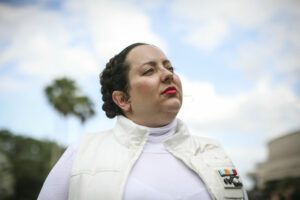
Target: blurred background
<point>238,61</point>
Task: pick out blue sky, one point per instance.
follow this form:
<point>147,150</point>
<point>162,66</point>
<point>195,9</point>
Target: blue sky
<point>238,61</point>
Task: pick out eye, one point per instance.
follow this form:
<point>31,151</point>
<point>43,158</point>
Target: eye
<point>148,72</point>
<point>170,68</point>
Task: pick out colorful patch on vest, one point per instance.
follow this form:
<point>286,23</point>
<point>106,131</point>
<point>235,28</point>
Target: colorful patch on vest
<point>230,178</point>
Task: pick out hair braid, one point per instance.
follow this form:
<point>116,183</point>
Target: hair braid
<point>115,77</point>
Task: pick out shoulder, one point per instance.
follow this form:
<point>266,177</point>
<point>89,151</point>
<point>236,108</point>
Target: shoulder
<point>89,143</point>
<point>210,151</point>
<point>205,140</point>
<point>201,144</point>
<point>196,138</point>
<point>96,137</point>
<point>90,148</point>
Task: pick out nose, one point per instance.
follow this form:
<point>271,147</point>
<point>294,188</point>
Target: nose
<point>167,76</point>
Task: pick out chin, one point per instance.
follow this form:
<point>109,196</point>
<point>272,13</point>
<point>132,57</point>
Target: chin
<point>174,107</point>
<point>171,105</point>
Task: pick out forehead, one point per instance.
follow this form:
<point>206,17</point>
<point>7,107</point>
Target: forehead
<point>143,54</point>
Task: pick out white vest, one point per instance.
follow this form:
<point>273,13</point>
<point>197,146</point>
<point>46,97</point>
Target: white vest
<point>104,160</point>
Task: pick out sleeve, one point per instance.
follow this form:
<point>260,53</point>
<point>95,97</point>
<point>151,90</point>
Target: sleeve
<point>56,185</point>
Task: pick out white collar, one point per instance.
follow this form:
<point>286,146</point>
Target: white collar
<point>161,134</point>
<point>132,135</point>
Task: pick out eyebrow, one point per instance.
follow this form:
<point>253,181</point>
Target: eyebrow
<point>152,63</point>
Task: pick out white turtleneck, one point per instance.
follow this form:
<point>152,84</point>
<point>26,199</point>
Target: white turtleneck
<point>159,175</point>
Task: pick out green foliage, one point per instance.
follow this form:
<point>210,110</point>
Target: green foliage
<point>66,98</point>
<point>83,108</point>
<point>6,177</point>
<point>26,162</point>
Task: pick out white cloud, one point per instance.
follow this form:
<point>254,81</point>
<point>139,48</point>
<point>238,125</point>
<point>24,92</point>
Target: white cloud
<point>206,23</point>
<point>265,109</point>
<point>40,44</point>
<point>243,12</point>
<point>76,42</point>
<point>114,25</point>
<point>275,54</point>
<point>203,101</point>
<point>201,17</point>
<point>268,42</point>
<point>208,36</point>
<point>9,85</point>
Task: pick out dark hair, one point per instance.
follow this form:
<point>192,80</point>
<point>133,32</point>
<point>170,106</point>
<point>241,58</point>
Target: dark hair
<point>115,77</point>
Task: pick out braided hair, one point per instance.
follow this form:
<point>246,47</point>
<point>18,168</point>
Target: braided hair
<point>115,77</point>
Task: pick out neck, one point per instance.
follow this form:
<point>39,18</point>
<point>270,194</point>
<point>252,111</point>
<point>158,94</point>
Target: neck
<point>161,134</point>
<point>152,121</point>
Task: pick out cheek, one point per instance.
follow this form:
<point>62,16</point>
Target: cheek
<point>144,88</point>
<point>178,82</point>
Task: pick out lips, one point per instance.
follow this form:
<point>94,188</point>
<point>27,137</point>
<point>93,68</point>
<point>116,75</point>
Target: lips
<point>170,90</point>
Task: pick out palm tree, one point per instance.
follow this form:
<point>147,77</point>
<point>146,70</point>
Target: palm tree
<point>83,108</point>
<point>67,99</point>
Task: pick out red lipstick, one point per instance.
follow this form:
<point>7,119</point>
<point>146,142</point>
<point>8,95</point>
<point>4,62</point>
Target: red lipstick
<point>170,90</point>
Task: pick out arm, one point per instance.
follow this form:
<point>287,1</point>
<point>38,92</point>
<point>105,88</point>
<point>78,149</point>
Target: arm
<point>56,185</point>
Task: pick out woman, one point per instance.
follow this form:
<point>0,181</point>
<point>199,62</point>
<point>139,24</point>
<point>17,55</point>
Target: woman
<point>149,154</point>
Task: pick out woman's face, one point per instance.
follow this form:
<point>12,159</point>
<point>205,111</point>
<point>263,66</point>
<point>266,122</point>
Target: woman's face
<point>155,92</point>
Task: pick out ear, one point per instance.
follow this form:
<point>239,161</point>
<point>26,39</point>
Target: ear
<point>120,98</point>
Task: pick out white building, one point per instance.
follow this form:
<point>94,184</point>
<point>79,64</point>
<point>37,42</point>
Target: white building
<point>283,160</point>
